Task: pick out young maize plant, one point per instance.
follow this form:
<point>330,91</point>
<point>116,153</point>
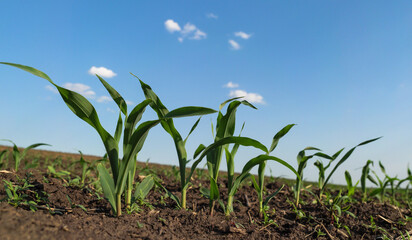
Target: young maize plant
<point>340,162</point>
<point>18,156</point>
<point>302,160</point>
<point>225,127</point>
<point>349,185</point>
<point>168,125</point>
<point>259,186</point>
<point>365,175</point>
<point>123,169</point>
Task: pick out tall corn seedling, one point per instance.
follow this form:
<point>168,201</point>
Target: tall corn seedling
<point>123,169</point>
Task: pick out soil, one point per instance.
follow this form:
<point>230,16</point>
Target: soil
<point>68,211</point>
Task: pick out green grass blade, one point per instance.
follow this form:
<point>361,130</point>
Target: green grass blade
<point>118,99</point>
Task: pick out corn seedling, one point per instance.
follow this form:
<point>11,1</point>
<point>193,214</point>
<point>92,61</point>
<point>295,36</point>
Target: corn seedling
<point>123,169</point>
<point>365,175</point>
<point>18,156</point>
<point>4,159</point>
<point>168,125</point>
<point>341,161</point>
<point>302,160</point>
<point>382,184</point>
<point>259,186</point>
<point>349,185</point>
<point>225,127</point>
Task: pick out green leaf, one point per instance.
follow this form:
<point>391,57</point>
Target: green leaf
<point>268,198</point>
<point>227,101</point>
<point>199,150</point>
<point>169,194</point>
<point>192,129</point>
<point>348,179</point>
<point>214,190</point>
<point>119,128</point>
<point>30,70</point>
<point>83,109</point>
<point>132,119</point>
<point>256,161</point>
<point>189,111</point>
<point>345,157</point>
<point>108,186</point>
<point>279,135</point>
<point>132,148</point>
<point>143,188</point>
<point>115,96</point>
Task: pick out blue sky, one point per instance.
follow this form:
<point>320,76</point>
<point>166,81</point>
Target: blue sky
<point>340,70</point>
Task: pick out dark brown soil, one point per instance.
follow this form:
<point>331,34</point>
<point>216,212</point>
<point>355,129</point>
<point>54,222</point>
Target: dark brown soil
<point>61,212</point>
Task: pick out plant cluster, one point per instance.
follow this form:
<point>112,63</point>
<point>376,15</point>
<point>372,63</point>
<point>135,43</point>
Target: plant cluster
<point>117,175</point>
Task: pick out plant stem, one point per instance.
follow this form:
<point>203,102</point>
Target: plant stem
<point>183,200</point>
<point>229,207</point>
<point>128,197</point>
<point>119,205</point>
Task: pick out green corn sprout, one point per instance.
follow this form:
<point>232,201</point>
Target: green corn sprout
<point>18,156</point>
<point>233,184</point>
<point>225,127</point>
<point>351,188</point>
<point>365,175</point>
<point>383,184</point>
<point>259,187</point>
<point>341,161</point>
<point>123,169</point>
<point>4,155</point>
<point>302,160</point>
<point>168,125</point>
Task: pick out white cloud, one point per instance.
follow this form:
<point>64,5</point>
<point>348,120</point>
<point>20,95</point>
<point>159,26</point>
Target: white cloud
<point>172,26</point>
<point>250,97</point>
<point>199,35</point>
<point>243,35</point>
<point>129,102</point>
<point>231,85</point>
<point>189,31</point>
<point>52,89</point>
<point>211,15</point>
<point>102,72</point>
<point>234,44</point>
<point>80,88</point>
<point>104,99</point>
<point>188,28</point>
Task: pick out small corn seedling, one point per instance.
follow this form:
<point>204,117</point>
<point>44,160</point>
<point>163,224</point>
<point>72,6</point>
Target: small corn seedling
<point>168,125</point>
<point>365,175</point>
<point>382,185</point>
<point>234,184</point>
<point>349,185</point>
<point>19,156</point>
<point>302,160</point>
<point>340,162</point>
<point>225,127</point>
<point>4,161</point>
<point>123,169</point>
<point>259,186</point>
